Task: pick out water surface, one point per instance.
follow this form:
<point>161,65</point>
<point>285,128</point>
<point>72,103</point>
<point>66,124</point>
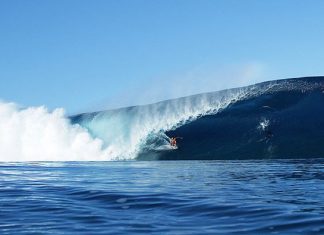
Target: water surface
<point>163,197</point>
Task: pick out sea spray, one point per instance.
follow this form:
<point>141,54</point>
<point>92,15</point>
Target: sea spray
<point>35,134</point>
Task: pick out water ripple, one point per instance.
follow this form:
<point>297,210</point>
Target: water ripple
<point>174,197</point>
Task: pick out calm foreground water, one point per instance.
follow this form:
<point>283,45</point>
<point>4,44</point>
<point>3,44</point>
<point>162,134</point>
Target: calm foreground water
<point>163,197</point>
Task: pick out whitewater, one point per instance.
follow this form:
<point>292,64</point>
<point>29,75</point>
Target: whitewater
<point>37,134</point>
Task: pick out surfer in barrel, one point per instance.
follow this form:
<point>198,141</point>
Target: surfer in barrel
<point>173,141</point>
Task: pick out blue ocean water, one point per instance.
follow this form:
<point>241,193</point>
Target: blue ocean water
<point>163,197</point>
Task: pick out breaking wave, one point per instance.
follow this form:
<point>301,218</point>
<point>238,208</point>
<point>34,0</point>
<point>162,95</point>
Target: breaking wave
<point>142,132</point>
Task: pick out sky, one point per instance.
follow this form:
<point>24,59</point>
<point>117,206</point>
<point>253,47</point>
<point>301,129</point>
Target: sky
<point>86,55</point>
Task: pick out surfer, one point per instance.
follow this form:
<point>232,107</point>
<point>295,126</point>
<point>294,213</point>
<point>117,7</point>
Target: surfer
<point>173,141</point>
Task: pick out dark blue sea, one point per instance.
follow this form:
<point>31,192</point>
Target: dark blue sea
<point>163,197</point>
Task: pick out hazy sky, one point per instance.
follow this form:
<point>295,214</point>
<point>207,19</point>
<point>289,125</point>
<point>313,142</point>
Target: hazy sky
<point>87,55</point>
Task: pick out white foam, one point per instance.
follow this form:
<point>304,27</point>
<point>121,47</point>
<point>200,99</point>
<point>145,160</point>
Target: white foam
<point>35,134</point>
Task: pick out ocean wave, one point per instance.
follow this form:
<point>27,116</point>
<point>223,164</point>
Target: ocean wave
<point>230,124</point>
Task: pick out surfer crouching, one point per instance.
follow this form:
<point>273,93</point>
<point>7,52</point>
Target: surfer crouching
<point>173,142</point>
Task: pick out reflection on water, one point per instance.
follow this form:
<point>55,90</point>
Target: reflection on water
<point>173,197</point>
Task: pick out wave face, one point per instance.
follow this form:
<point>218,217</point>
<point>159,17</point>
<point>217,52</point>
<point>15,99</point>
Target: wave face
<point>277,119</point>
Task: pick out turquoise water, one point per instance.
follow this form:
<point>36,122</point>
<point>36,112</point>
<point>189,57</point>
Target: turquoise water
<point>163,197</point>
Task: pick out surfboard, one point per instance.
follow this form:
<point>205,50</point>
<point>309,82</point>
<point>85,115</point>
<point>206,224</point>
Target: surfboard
<point>166,148</point>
